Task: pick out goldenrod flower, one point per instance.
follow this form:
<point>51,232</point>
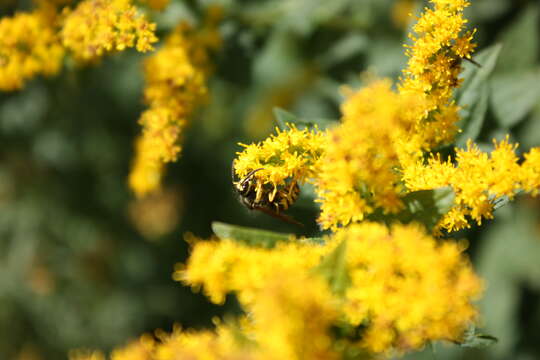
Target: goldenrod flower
<point>433,68</point>
<point>29,46</point>
<point>146,173</point>
<point>385,133</point>
<point>219,344</point>
<point>285,159</point>
<point>478,179</point>
<point>405,288</point>
<point>530,172</point>
<point>96,27</point>
<point>226,266</point>
<point>291,309</point>
<point>292,317</point>
<point>358,173</point>
<point>176,79</point>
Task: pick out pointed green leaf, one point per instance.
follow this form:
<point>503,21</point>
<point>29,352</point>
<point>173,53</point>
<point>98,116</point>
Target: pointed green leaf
<point>474,78</point>
<point>284,117</point>
<point>473,118</point>
<point>520,42</point>
<point>257,237</point>
<point>249,236</point>
<point>428,206</point>
<point>333,268</point>
<point>514,95</point>
<point>345,48</point>
<point>424,206</point>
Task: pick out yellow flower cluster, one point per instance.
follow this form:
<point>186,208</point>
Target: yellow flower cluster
<point>433,68</point>
<point>285,159</point>
<point>226,266</point>
<point>358,173</point>
<point>176,79</point>
<point>406,288</point>
<point>35,43</point>
<point>402,290</point>
<point>292,318</point>
<point>96,27</point>
<point>29,46</point>
<point>478,179</point>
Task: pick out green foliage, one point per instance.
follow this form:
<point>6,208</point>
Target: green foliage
<point>284,117</point>
<point>255,237</point>
<point>424,206</point>
<point>473,94</point>
<point>333,268</point>
<point>249,236</point>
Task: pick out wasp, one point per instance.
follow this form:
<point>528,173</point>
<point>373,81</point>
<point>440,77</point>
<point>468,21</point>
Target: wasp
<point>262,197</point>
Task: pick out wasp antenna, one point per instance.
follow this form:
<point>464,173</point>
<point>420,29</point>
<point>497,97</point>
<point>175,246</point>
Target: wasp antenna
<point>472,61</point>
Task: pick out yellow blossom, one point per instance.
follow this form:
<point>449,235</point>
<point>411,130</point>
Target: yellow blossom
<point>285,159</point>
<point>202,345</point>
<point>96,27</point>
<point>433,68</point>
<point>29,46</point>
<point>358,172</point>
<point>291,308</point>
<point>226,266</point>
<point>292,317</point>
<point>176,79</point>
<point>530,172</point>
<point>146,172</point>
<point>478,179</point>
<point>405,288</point>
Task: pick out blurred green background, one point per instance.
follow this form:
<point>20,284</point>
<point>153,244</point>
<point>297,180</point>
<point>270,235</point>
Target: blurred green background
<point>82,264</point>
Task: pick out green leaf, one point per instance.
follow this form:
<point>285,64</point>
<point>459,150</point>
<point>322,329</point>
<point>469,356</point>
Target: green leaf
<point>475,339</point>
<point>514,95</point>
<point>333,268</point>
<point>474,78</point>
<point>473,118</point>
<point>428,206</point>
<point>284,117</point>
<point>529,133</point>
<point>249,236</point>
<point>257,237</point>
<point>345,48</point>
<point>424,206</point>
<point>520,42</point>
